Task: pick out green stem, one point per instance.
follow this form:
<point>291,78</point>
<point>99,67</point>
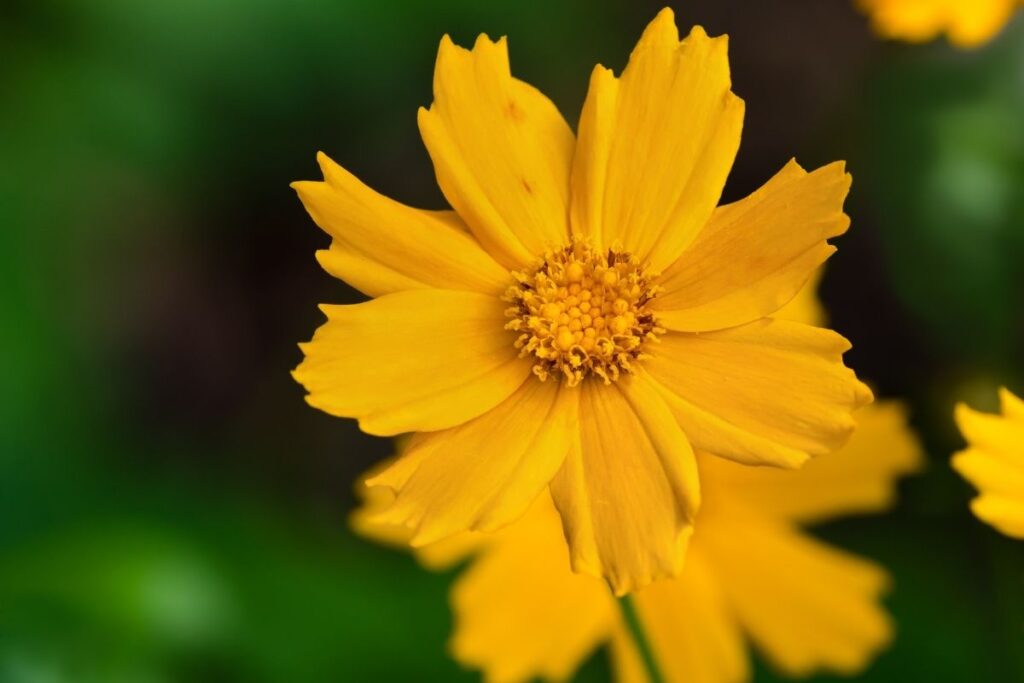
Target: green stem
<point>636,629</point>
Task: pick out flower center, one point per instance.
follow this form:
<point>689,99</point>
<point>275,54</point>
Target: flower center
<point>582,311</point>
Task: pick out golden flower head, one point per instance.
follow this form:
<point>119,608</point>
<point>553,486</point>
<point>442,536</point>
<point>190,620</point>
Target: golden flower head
<point>994,462</point>
<point>587,315</point>
<point>967,23</point>
<point>582,312</point>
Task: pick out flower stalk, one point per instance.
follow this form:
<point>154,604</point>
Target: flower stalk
<point>643,646</point>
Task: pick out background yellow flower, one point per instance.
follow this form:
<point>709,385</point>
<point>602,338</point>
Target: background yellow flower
<point>967,23</point>
<point>994,463</point>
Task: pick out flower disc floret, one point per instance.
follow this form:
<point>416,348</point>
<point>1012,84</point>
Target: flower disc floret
<point>583,311</point>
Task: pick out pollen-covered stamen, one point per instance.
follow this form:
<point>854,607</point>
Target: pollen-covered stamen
<point>583,311</point>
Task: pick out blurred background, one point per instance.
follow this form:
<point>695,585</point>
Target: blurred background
<point>171,510</point>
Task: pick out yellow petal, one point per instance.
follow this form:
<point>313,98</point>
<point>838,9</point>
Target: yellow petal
<point>418,360</point>
<point>520,613</point>
<point>439,556</point>
<point>501,152</point>
<point>1005,514</point>
<point>968,24</point>
<point>806,605</point>
<point>771,392</point>
<point>381,246</point>
<point>590,163</point>
<point>859,477</point>
<point>992,472</point>
<point>805,307</point>
<point>1013,407</point>
<point>994,463</point>
<point>485,473</point>
<point>691,629</point>
<point>628,490</point>
<point>757,253</point>
<point>995,433</point>
<point>656,146</point>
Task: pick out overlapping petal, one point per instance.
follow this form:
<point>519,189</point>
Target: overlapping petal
<point>520,613</point>
<point>391,362</point>
<point>806,605</point>
<point>994,463</point>
<point>501,152</point>
<point>770,392</point>
<point>757,253</point>
<point>860,477</point>
<point>805,307</point>
<point>656,145</point>
<point>443,554</point>
<point>466,479</point>
<point>628,490</point>
<point>693,633</point>
<point>381,246</point>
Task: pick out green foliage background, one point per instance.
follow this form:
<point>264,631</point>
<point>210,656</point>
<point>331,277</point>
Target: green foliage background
<point>170,510</point>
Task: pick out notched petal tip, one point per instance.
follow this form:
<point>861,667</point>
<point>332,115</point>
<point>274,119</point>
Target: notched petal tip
<point>600,75</point>
<point>795,166</point>
<point>484,41</point>
<point>661,29</point>
<point>327,166</point>
<point>447,43</point>
<point>698,31</point>
<point>483,46</point>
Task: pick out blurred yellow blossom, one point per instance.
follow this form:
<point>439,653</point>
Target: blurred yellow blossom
<point>967,23</point>
<point>994,462</point>
<point>586,318</point>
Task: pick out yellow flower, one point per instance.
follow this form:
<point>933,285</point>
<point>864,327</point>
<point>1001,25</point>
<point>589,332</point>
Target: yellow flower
<point>994,463</point>
<point>586,316</point>
<point>750,574</point>
<point>968,23</point>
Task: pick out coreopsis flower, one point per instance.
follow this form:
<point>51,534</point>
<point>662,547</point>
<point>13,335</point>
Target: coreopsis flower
<point>751,574</point>
<point>967,23</point>
<point>994,462</point>
<point>585,317</point>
